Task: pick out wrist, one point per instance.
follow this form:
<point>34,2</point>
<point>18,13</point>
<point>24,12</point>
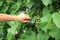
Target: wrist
<point>13,17</point>
<point>17,18</point>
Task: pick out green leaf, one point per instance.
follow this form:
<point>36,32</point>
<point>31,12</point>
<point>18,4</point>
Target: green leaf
<point>28,35</point>
<point>1,1</point>
<point>42,36</point>
<point>44,27</point>
<point>8,1</point>
<point>14,26</point>
<point>54,32</point>
<point>19,0</point>
<point>14,8</point>
<point>50,8</point>
<point>29,3</point>
<point>45,11</point>
<point>45,18</point>
<point>5,8</point>
<point>1,33</point>
<point>12,30</point>
<point>45,23</point>
<point>46,2</point>
<point>56,19</point>
<point>11,23</point>
<point>9,36</point>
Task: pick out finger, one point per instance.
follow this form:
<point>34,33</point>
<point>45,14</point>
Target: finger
<point>27,16</point>
<point>26,21</point>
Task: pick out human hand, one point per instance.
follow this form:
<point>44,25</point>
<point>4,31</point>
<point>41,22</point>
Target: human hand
<point>23,18</point>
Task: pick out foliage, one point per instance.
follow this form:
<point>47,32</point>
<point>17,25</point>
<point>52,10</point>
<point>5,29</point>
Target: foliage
<point>44,24</point>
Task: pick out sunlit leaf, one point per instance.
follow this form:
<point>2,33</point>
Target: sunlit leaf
<point>46,2</point>
<point>56,19</point>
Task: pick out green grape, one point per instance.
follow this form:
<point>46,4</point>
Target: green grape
<point>37,24</point>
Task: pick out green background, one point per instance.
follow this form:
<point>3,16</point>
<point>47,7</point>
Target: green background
<point>45,13</point>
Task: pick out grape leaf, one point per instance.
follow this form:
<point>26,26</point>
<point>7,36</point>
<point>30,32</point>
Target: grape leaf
<point>12,30</point>
<point>42,36</point>
<point>46,2</point>
<point>56,19</point>
<point>8,1</point>
<point>5,8</point>
<point>54,32</point>
<point>45,11</point>
<point>45,22</point>
<point>1,1</point>
<point>9,36</point>
<point>14,8</point>
<point>29,3</point>
<point>50,8</point>
<point>45,18</point>
<point>28,35</point>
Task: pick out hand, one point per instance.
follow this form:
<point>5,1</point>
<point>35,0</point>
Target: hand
<point>23,18</point>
